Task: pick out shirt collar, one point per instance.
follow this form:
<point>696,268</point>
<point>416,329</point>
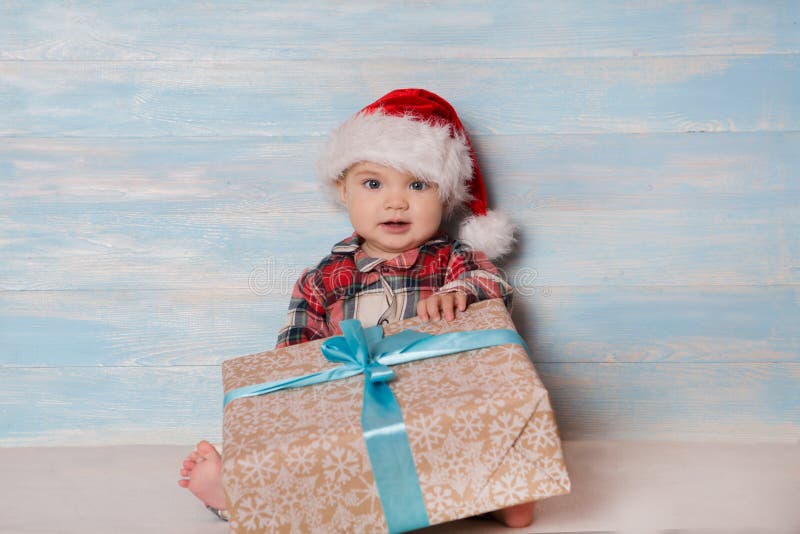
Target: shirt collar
<point>365,263</point>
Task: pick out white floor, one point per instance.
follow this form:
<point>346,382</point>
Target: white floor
<point>617,486</point>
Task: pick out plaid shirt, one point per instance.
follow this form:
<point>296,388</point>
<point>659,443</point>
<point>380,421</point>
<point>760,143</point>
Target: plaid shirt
<point>349,284</point>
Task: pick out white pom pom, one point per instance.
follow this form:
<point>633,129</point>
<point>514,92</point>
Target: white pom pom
<point>492,234</point>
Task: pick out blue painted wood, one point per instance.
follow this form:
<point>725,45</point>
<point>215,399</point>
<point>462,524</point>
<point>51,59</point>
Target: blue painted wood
<point>154,156</point>
<point>154,30</point>
<point>135,328</point>
<point>189,245</point>
<point>164,214</point>
<point>676,402</point>
<point>562,324</point>
<point>577,172</point>
<point>497,96</point>
<point>110,405</point>
<point>84,405</point>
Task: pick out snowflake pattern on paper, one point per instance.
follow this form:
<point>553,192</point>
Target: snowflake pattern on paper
<point>480,426</point>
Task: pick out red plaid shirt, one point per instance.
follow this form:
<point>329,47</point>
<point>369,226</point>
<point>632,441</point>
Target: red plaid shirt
<point>349,284</point>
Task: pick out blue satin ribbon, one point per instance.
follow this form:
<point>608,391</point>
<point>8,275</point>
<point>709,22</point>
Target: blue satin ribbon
<point>361,350</point>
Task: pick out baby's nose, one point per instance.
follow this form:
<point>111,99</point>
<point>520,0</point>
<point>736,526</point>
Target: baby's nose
<point>395,201</point>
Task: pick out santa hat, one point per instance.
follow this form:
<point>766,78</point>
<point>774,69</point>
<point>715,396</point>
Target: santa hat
<point>418,132</point>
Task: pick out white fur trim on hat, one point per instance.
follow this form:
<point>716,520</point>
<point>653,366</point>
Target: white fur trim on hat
<point>424,149</point>
<point>492,233</point>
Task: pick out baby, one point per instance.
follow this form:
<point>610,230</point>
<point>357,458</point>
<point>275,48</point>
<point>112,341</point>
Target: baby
<point>400,166</point>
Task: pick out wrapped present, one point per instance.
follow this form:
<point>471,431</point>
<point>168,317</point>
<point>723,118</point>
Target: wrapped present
<point>388,430</point>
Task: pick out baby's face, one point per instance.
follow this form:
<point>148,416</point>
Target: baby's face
<point>393,211</point>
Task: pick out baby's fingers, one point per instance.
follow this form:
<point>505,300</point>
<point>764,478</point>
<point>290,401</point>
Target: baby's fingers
<point>461,301</point>
<point>432,304</point>
<point>422,310</point>
<point>449,304</point>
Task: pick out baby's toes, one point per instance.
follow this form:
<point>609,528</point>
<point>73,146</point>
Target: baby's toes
<point>205,448</point>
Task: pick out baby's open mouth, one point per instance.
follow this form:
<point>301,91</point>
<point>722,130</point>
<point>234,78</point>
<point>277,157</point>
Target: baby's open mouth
<point>395,225</point>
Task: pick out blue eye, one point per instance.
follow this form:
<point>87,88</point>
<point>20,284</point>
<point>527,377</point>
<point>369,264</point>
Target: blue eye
<point>372,183</point>
<point>419,186</point>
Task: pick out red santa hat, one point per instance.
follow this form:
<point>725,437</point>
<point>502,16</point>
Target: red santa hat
<point>418,132</point>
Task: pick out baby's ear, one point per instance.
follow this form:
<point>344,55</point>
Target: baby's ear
<point>340,185</point>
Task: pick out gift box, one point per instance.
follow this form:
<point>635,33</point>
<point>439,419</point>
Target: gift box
<point>478,423</point>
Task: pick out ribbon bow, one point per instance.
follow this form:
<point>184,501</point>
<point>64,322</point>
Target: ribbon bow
<point>361,350</point>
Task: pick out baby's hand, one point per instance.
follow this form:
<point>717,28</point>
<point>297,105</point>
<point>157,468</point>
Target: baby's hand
<point>429,309</point>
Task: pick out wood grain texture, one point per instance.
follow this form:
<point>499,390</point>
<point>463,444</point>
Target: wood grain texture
<point>184,30</point>
<point>578,172</point>
<point>561,325</point>
<point>676,402</point>
<point>190,245</point>
<point>660,209</point>
<point>687,402</point>
<point>154,158</point>
<point>310,97</point>
<point>113,405</point>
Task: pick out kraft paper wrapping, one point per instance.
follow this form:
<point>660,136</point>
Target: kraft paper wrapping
<point>480,425</point>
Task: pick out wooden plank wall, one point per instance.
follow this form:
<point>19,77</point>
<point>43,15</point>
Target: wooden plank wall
<point>157,201</point>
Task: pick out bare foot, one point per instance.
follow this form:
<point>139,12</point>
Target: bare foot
<point>520,515</point>
<point>202,472</point>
